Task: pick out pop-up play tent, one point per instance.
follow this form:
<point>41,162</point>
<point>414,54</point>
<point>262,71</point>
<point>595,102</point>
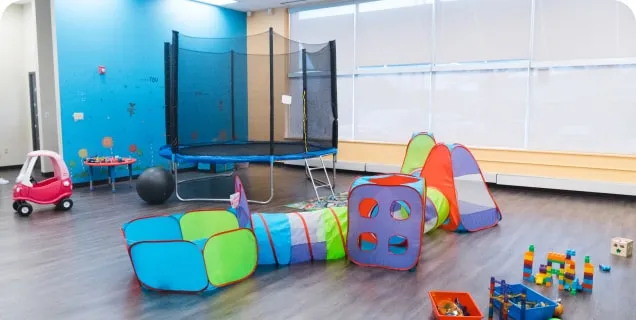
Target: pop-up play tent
<point>457,196</point>
<point>453,171</point>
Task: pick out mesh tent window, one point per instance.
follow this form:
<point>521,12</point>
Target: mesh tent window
<point>228,91</point>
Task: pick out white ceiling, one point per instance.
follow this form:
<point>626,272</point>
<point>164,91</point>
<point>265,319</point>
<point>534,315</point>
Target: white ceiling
<point>256,5</point>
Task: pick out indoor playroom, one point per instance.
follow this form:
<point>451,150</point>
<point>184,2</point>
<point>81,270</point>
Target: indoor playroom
<point>354,159</point>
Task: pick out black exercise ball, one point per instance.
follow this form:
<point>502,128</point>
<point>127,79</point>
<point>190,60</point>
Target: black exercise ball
<point>155,185</point>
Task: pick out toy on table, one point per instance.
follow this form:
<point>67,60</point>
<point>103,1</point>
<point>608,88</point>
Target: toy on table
<point>604,268</point>
<point>451,305</point>
<point>109,163</point>
<point>55,190</point>
<point>622,247</point>
<point>566,272</point>
<point>110,159</point>
<point>516,301</point>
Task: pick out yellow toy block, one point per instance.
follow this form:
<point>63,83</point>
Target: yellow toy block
<point>539,279</point>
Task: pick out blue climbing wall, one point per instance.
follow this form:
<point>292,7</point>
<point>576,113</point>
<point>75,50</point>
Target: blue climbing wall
<point>123,110</point>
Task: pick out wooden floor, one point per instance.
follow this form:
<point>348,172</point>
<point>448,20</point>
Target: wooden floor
<point>73,265</point>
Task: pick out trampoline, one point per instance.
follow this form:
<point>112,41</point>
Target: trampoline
<point>229,99</point>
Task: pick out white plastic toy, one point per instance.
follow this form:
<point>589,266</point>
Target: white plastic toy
<point>622,247</point>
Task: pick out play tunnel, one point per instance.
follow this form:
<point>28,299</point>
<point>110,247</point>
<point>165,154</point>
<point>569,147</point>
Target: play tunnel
<point>200,251</point>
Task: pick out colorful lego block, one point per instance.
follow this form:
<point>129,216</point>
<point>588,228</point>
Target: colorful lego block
<point>622,247</point>
<point>565,272</point>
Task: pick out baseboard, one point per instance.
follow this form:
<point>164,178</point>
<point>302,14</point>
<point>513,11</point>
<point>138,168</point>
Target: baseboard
<point>382,168</point>
<point>12,167</point>
<point>340,165</point>
<point>567,184</point>
<point>498,178</point>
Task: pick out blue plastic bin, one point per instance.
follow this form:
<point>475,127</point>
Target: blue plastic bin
<point>538,313</point>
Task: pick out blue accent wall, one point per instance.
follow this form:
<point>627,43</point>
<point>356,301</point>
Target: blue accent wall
<point>124,109</point>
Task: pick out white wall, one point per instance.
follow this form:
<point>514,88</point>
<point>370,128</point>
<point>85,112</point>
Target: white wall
<point>28,32</point>
<point>16,57</point>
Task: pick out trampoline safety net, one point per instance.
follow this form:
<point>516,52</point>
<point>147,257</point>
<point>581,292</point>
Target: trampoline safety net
<point>262,91</point>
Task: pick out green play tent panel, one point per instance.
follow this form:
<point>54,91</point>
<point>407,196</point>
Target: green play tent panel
<point>197,225</point>
<point>417,152</point>
<point>230,257</point>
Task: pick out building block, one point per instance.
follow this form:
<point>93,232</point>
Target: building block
<point>622,247</point>
<point>564,270</point>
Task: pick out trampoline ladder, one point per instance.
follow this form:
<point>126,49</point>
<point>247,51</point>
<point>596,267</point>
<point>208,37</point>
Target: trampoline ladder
<point>316,183</point>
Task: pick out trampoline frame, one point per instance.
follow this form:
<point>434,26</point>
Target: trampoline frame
<point>174,169</point>
<point>171,68</point>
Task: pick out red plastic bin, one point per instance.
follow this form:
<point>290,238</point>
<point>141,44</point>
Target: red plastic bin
<point>464,298</point>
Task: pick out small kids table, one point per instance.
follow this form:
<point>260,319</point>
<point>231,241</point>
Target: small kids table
<point>110,163</point>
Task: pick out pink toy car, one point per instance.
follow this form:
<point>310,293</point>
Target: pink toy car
<point>56,190</point>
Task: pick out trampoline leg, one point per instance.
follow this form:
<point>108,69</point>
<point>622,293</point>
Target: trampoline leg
<point>271,186</point>
<point>181,198</point>
<point>335,162</point>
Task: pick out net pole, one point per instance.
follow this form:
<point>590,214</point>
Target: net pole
<point>334,94</point>
<point>232,94</point>
<point>304,68</point>
<point>168,102</point>
<point>271,91</point>
<point>334,103</point>
<point>174,96</point>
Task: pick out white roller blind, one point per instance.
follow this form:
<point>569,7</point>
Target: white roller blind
<point>394,32</point>
<point>485,109</point>
<point>482,30</point>
<point>584,29</point>
<point>390,107</point>
<point>326,24</point>
<point>387,50</point>
<point>583,110</point>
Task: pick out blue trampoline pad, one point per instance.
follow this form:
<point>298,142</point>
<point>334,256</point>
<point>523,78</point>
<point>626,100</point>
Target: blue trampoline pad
<point>256,151</point>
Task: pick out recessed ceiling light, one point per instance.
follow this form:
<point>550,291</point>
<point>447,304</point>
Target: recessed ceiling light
<point>216,2</point>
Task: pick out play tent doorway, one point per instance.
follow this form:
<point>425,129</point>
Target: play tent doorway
<point>453,170</point>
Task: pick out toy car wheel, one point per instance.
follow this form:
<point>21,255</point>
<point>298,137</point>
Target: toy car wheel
<point>65,204</point>
<point>25,209</point>
<point>16,204</point>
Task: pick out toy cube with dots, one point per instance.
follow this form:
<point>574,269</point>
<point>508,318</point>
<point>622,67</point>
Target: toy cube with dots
<point>386,220</point>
